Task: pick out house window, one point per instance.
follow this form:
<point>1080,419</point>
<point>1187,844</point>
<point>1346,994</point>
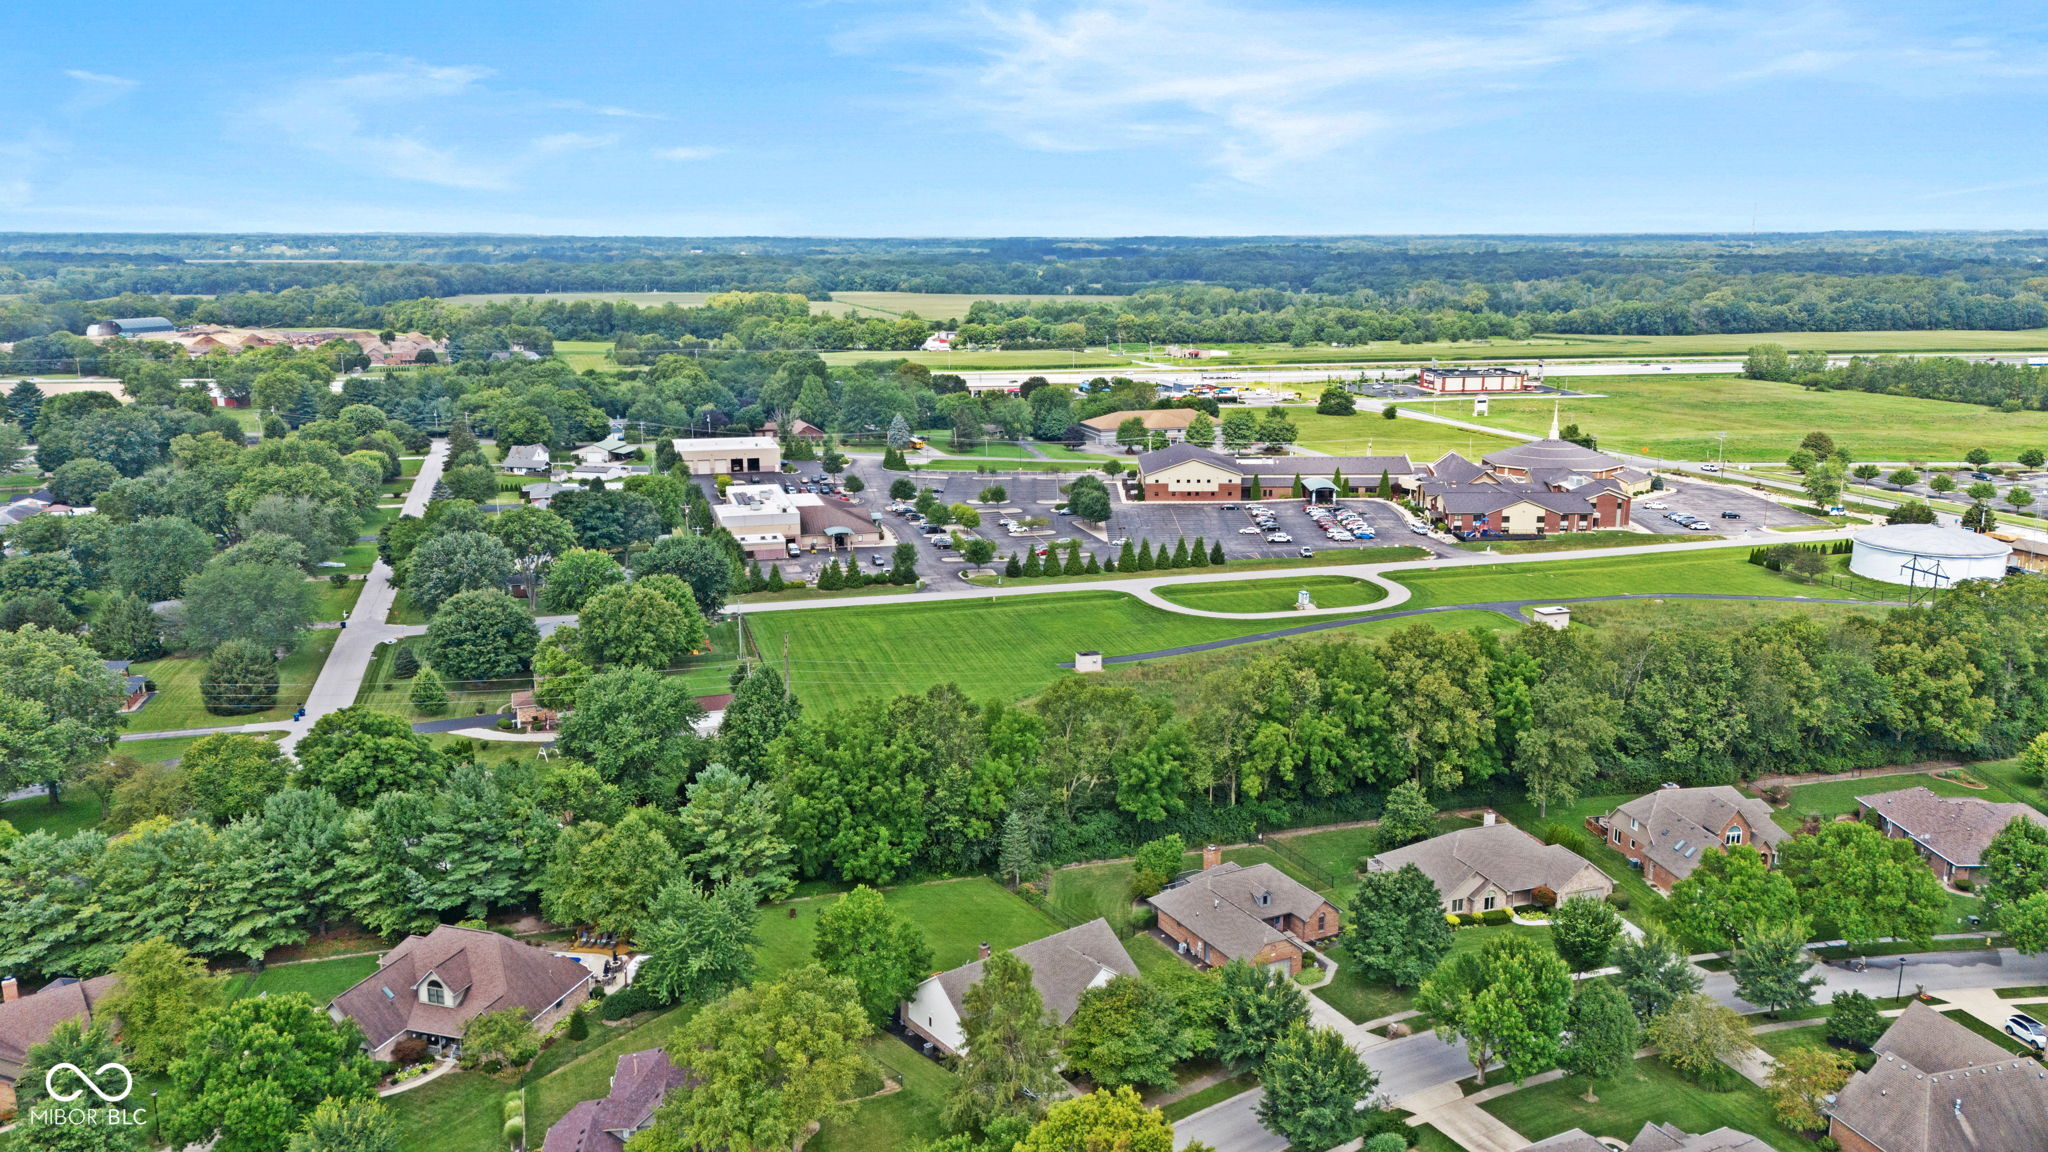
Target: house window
<point>1734,835</point>
<point>1319,921</point>
<point>1458,905</point>
<point>1488,907</point>
<point>436,994</point>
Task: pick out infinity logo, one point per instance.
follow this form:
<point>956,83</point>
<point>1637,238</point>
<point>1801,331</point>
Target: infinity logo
<point>50,1082</point>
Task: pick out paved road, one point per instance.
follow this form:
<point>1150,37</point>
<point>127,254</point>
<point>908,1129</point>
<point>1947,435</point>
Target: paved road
<point>349,662</point>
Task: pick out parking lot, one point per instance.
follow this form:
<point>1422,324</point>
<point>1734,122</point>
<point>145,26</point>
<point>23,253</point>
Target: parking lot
<point>1162,522</point>
<point>1708,501</point>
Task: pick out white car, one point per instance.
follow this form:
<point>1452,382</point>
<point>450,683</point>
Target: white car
<point>1279,538</point>
<point>1710,467</point>
<point>2027,1029</point>
<point>1658,505</point>
<point>1248,531</point>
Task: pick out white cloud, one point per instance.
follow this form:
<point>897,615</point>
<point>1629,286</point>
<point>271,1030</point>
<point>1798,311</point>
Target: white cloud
<point>100,80</point>
<point>687,153</point>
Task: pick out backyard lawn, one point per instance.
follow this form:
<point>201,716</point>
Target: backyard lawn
<point>78,810</point>
<point>331,603</point>
<point>1838,797</point>
<point>1651,1092</point>
<point>459,1112</point>
<point>1676,416</point>
<point>321,980</point>
<point>177,703</point>
<point>903,1119</point>
<point>954,915</point>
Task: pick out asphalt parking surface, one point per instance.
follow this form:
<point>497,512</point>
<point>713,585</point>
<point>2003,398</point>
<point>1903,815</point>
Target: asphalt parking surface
<point>1165,522</point>
<point>1708,501</point>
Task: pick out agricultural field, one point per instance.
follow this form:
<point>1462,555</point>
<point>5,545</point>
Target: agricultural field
<point>1675,416</point>
<point>1369,434</point>
<point>990,360</point>
<point>937,305</point>
<point>1569,347</point>
<point>1272,595</point>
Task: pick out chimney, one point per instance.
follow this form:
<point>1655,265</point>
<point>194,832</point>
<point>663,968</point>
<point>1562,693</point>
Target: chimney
<point>984,950</point>
<point>1211,857</point>
<point>10,990</point>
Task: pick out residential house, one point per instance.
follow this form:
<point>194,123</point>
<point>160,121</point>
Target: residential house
<point>26,1021</point>
<point>1939,1087</point>
<point>134,687</point>
<point>529,715</point>
<point>612,447</point>
<point>1258,914</point>
<point>1190,472</point>
<point>542,494</point>
<point>728,455</point>
<point>640,1082</point>
<point>432,986</point>
<point>1950,831</point>
<point>799,429</point>
<point>1063,966</point>
<point>1496,866</point>
<point>528,459</point>
<point>1655,1138</point>
<point>1665,831</point>
<point>1171,425</point>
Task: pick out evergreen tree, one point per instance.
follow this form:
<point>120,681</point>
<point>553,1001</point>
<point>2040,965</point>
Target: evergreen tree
<point>1093,566</point>
<point>1010,1068</point>
<point>1180,554</point>
<point>1073,565</point>
<point>1126,558</point>
<point>126,629</point>
<point>1144,560</point>
<point>1198,555</point>
<point>1031,565</point>
<point>775,581</point>
<point>240,678</point>
<point>1013,567</point>
<point>1216,556</point>
<point>1386,489</point>
<point>24,401</point>
<point>1251,488</point>
<point>429,694</point>
<point>461,441</point>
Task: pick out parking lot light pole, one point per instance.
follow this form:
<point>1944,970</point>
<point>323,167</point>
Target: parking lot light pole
<point>1900,988</point>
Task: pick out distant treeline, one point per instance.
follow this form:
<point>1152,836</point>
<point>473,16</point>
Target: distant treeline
<point>1224,291</point>
<point>2007,387</point>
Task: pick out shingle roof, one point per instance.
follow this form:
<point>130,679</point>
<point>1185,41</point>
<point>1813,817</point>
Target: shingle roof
<point>1222,906</point>
<point>527,456</point>
<point>1167,457</point>
<point>1675,825</point>
<point>27,1022</point>
<point>1455,469</point>
<point>1359,471</point>
<point>1671,1138</point>
<point>639,1085</point>
<point>498,972</point>
<point>1063,966</point>
<point>1551,454</point>
<point>1939,1087</point>
<point>1156,419</point>
<point>1575,1140</point>
<point>1501,854</point>
<point>1959,828</point>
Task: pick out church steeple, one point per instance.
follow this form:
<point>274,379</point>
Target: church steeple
<point>1553,418</point>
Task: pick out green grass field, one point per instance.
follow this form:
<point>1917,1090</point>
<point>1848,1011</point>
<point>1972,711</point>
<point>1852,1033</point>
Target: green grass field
<point>177,702</point>
<point>1677,416</point>
<point>1722,570</point>
<point>1573,541</point>
<point>584,354</point>
<point>1572,347</point>
<point>955,917</point>
<point>992,360</point>
<point>1369,434</point>
<point>322,980</point>
<point>904,1119</point>
<point>1649,1093</point>
<point>1838,797</point>
<point>77,810</point>
<point>1273,595</point>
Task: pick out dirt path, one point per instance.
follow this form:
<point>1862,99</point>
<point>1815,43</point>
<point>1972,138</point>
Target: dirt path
<point>1859,774</point>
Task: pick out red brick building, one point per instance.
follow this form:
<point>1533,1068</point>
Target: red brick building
<point>1665,831</point>
<point>1258,914</point>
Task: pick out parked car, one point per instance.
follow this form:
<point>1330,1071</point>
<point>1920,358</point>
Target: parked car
<point>1980,475</point>
<point>2027,1029</point>
<point>1657,505</point>
<point>1253,530</point>
<point>1307,552</point>
<point>1727,515</point>
<point>881,561</point>
<point>1419,528</point>
<point>1699,526</point>
<point>1710,467</point>
<point>1279,538</point>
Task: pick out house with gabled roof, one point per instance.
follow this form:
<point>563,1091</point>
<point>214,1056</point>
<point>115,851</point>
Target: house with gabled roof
<point>26,1021</point>
<point>1495,866</point>
<point>1655,1137</point>
<point>528,459</point>
<point>1665,831</point>
<point>1951,832</point>
<point>1063,966</point>
<point>1259,914</point>
<point>1939,1087</point>
<point>639,1084</point>
<point>432,986</point>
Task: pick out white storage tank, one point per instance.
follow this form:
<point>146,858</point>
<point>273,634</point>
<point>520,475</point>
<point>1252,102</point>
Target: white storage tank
<point>1928,555</point>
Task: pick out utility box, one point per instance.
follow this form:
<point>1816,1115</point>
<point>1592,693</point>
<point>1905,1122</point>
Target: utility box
<point>1087,661</point>
<point>1554,616</point>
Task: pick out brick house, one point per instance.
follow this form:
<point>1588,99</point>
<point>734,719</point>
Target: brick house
<point>1950,831</point>
<point>1189,472</point>
<point>639,1083</point>
<point>1939,1087</point>
<point>1496,866</point>
<point>432,986</point>
<point>26,1021</point>
<point>1258,914</point>
<point>1665,831</point>
<point>1063,966</point>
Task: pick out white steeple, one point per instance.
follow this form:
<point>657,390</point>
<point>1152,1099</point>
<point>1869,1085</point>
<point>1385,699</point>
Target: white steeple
<point>1553,418</point>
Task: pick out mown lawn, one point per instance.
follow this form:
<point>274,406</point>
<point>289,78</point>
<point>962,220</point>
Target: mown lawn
<point>459,1112</point>
<point>321,980</point>
<point>177,702</point>
<point>1722,570</point>
<point>78,810</point>
<point>571,1072</point>
<point>956,916</point>
<point>1339,851</point>
<point>902,1119</point>
<point>1573,541</point>
<point>1369,434</point>
<point>1276,594</point>
<point>1677,416</point>
<point>1360,999</point>
<point>1650,1092</point>
<point>331,603</point>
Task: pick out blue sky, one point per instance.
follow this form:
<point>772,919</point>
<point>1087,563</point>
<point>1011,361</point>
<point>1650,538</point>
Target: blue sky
<point>1080,117</point>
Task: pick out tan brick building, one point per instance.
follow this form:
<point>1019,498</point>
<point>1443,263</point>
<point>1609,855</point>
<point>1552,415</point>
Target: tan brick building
<point>1495,867</point>
<point>432,986</point>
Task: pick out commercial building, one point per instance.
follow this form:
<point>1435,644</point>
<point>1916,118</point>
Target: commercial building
<point>132,327</point>
<point>1665,831</point>
<point>1534,489</point>
<point>1169,424</point>
<point>771,523</point>
<point>728,455</point>
<point>1063,966</point>
<point>1464,381</point>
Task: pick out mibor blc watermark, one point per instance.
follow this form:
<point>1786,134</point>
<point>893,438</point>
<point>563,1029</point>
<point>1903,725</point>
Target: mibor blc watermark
<point>68,1084</point>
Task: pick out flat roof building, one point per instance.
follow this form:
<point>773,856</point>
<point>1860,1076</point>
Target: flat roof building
<point>728,455</point>
<point>1463,381</point>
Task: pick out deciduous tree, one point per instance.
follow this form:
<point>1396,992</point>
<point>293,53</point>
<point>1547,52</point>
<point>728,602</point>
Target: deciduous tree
<point>231,774</point>
<point>1802,1079</point>
<point>1102,1121</point>
<point>699,941</point>
<point>1508,1002</point>
<point>358,753</point>
<point>1314,1084</point>
<point>884,955</point>
<point>255,1068</point>
<point>1010,1067</point>
<point>1695,1033</point>
<point>1862,886</point>
<point>1728,891</point>
<point>1653,974</point>
<point>1125,1033</point>
<point>1604,1033</point>
<point>1772,964</point>
<point>1398,931</point>
<point>1584,931</point>
<point>1259,1005</point>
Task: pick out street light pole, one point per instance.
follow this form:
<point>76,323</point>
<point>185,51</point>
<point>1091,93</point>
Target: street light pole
<point>1900,988</point>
